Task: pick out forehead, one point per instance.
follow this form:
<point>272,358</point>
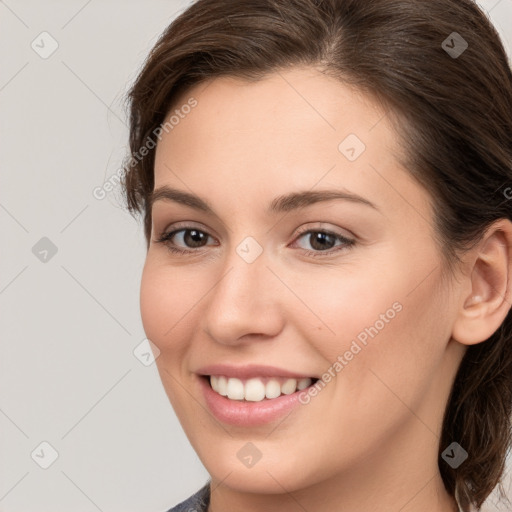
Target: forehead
<point>293,129</point>
<point>287,104</point>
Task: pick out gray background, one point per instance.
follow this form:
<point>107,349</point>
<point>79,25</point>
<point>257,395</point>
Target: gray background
<point>70,321</point>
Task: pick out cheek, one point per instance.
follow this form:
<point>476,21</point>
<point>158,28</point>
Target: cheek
<point>164,303</point>
<point>391,341</point>
<point>344,305</point>
<point>375,320</point>
<point>153,303</point>
<point>167,313</point>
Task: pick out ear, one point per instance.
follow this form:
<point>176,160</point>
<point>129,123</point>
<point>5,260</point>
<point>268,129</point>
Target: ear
<point>487,288</point>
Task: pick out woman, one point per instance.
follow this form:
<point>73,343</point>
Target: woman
<point>324,189</point>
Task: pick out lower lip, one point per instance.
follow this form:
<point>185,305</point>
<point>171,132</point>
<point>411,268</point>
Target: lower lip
<point>245,413</point>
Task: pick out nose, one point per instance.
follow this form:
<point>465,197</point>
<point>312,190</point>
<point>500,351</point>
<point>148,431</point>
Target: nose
<point>244,304</point>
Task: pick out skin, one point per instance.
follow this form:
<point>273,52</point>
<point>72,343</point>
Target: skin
<point>369,440</point>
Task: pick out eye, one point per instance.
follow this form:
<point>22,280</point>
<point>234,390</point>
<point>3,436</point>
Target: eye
<point>324,242</point>
<point>187,238</point>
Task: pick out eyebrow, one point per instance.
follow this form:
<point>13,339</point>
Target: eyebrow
<point>284,203</point>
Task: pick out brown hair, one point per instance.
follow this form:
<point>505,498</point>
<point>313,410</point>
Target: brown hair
<point>453,115</point>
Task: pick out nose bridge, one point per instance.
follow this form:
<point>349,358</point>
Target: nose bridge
<point>242,301</point>
<point>241,286</point>
<point>245,268</point>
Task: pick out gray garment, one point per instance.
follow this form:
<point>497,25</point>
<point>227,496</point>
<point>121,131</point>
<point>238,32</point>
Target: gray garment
<point>198,502</point>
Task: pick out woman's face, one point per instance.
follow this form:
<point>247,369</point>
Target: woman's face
<point>282,274</point>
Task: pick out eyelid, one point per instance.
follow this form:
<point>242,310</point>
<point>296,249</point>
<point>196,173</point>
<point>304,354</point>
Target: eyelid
<point>184,224</point>
<point>321,226</point>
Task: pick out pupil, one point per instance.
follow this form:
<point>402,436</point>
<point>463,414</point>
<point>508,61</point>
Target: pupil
<point>321,239</point>
<point>193,237</point>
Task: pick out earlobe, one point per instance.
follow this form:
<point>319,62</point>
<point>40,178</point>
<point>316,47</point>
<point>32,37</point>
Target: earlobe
<point>485,306</point>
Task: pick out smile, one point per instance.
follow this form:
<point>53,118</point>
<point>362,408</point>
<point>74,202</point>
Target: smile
<point>257,389</point>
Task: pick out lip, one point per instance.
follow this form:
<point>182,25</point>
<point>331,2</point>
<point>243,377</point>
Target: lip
<point>243,413</point>
<point>250,371</point>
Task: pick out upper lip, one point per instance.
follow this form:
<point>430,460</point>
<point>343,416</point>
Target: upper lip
<point>249,371</point>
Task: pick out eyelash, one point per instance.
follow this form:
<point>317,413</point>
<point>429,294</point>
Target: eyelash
<point>165,239</point>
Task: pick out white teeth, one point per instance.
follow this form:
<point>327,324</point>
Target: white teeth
<point>235,389</point>
<point>255,389</point>
<point>304,383</point>
<point>222,386</point>
<point>272,389</point>
<point>289,387</point>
